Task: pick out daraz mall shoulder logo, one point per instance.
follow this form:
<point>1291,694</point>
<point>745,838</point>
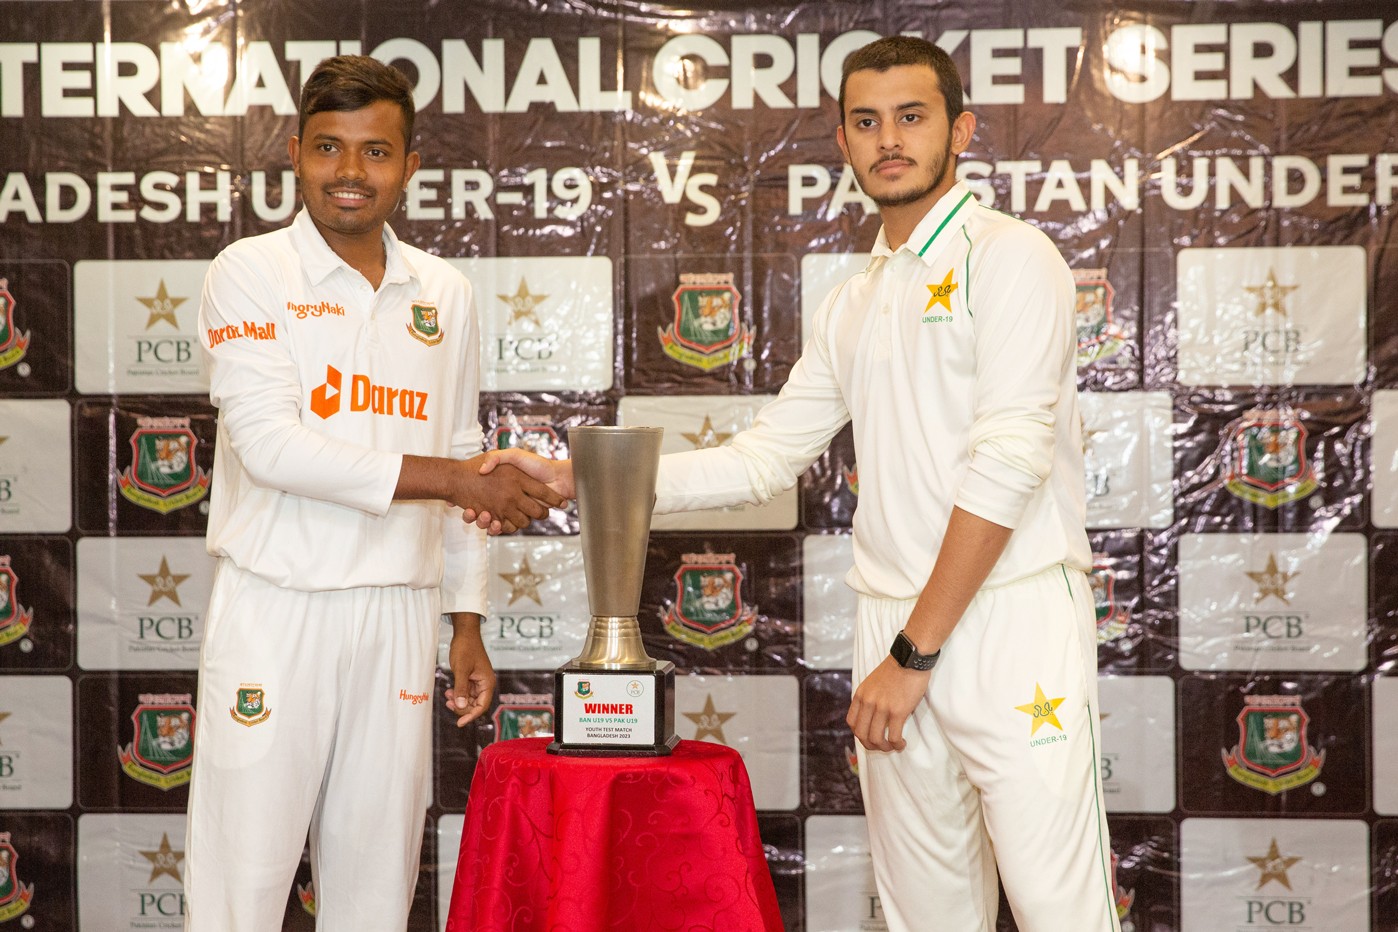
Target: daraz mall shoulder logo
<point>365,395</point>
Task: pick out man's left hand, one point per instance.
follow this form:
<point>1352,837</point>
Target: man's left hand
<point>472,674</point>
<point>882,704</point>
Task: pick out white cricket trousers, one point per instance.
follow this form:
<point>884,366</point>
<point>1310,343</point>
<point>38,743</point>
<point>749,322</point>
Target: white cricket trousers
<point>344,750</point>
<point>987,778</point>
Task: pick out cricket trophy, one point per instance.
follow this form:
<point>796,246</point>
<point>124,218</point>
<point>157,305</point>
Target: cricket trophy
<point>614,700</point>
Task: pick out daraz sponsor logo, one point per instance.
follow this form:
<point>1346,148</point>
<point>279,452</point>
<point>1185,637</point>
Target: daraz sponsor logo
<point>387,400</point>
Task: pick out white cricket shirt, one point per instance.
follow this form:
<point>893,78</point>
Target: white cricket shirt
<point>954,358</point>
<point>322,384</point>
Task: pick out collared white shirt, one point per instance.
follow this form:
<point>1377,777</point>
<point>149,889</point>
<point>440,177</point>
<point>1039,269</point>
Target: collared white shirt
<point>322,384</point>
<point>953,355</point>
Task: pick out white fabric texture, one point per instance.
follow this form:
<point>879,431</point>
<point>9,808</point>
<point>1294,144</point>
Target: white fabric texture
<point>303,498</point>
<point>978,783</point>
<point>957,369</point>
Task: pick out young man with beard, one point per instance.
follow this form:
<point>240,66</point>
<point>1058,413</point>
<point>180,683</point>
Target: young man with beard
<point>344,365</point>
<point>975,655</point>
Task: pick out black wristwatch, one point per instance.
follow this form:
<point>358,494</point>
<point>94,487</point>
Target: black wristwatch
<point>904,653</point>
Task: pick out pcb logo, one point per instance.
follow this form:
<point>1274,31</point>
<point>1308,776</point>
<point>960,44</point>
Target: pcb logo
<point>1272,754</point>
<point>424,327</point>
<point>250,707</point>
<point>709,610</point>
<point>163,475</point>
<point>15,896</point>
<point>15,619</point>
<point>1266,462</point>
<point>706,333</point>
<point>1111,618</point>
<point>1100,337</point>
<point>13,344</point>
<point>524,715</point>
<point>162,746</point>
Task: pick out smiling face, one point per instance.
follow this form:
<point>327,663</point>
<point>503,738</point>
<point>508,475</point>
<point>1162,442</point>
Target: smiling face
<point>353,166</point>
<point>896,136</point>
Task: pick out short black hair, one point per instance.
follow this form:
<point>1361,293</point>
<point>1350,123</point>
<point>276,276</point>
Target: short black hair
<point>892,51</point>
<point>353,82</point>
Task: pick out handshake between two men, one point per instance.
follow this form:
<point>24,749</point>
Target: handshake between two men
<point>513,486</point>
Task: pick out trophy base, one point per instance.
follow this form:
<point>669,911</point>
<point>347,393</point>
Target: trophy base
<point>614,713</point>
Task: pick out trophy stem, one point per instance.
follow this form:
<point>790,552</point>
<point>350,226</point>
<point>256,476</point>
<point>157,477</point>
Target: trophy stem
<point>613,643</point>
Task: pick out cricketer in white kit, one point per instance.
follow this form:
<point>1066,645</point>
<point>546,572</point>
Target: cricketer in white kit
<point>344,367</point>
<point>952,353</point>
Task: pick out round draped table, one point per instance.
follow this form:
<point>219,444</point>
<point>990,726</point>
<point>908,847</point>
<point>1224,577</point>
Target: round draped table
<point>608,844</point>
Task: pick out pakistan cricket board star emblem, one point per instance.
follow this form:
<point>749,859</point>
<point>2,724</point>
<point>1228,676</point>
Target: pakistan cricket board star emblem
<point>250,708</point>
<point>162,745</point>
<point>424,327</point>
<point>163,475</point>
<point>13,344</point>
<point>15,896</point>
<point>1271,754</point>
<point>706,332</point>
<point>15,619</point>
<point>709,610</point>
<point>1266,461</point>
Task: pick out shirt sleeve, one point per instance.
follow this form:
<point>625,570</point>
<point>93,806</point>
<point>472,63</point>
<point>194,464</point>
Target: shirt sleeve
<point>464,545</point>
<point>1021,299</point>
<point>255,384</point>
<point>766,459</point>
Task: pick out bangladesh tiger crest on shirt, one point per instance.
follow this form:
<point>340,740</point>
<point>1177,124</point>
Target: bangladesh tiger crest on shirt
<point>250,706</point>
<point>709,610</point>
<point>707,332</point>
<point>1272,754</point>
<point>15,619</point>
<point>163,475</point>
<point>424,326</point>
<point>1266,459</point>
<point>13,344</point>
<point>15,895</point>
<point>162,746</point>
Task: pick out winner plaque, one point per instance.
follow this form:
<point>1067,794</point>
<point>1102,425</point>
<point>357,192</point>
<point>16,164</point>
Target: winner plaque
<point>613,699</point>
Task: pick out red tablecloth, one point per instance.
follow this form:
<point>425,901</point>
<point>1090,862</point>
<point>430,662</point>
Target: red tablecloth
<point>577,844</point>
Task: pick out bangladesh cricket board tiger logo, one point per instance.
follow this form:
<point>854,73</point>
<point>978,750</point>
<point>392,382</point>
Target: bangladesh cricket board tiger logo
<point>13,344</point>
<point>424,326</point>
<point>1266,459</point>
<point>1111,618</point>
<point>163,475</point>
<point>15,619</point>
<point>1272,754</point>
<point>15,895</point>
<point>707,332</point>
<point>162,746</point>
<point>250,708</point>
<point>525,716</point>
<point>709,610</point>
<point>1100,337</point>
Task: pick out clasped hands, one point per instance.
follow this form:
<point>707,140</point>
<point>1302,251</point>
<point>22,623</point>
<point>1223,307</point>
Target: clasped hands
<point>503,490</point>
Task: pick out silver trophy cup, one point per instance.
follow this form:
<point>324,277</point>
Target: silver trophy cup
<point>613,698</point>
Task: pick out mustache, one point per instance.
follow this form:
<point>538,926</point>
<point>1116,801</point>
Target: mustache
<point>894,157</point>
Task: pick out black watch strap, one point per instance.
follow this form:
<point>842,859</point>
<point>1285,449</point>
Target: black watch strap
<point>904,653</point>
